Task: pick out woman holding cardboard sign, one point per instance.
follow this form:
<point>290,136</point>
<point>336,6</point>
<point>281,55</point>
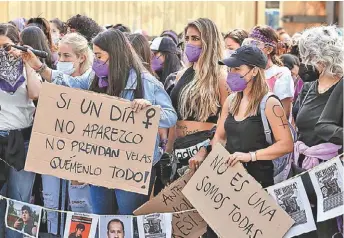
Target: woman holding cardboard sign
<point>74,69</point>
<point>200,91</point>
<point>240,128</point>
<point>121,73</point>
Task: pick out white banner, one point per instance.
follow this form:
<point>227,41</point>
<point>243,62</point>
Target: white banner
<point>291,196</point>
<point>327,179</point>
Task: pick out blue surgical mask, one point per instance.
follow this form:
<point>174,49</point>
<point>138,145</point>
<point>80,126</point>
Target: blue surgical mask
<point>65,67</point>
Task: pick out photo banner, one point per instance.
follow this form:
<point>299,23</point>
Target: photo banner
<point>229,199</point>
<point>327,180</point>
<point>93,138</point>
<point>291,196</point>
<point>185,223</point>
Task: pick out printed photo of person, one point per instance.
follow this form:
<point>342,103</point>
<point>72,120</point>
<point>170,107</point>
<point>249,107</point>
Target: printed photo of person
<point>23,218</point>
<point>79,225</point>
<point>79,229</point>
<point>157,225</point>
<point>115,227</point>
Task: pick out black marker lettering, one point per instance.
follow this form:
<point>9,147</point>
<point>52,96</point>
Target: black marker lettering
<point>149,114</point>
<point>69,127</point>
<point>64,102</point>
<point>91,108</point>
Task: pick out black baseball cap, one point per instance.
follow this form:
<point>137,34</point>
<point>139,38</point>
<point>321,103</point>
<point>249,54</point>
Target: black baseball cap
<point>164,44</point>
<point>246,55</point>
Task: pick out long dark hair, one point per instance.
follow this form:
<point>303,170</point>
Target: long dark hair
<point>33,36</point>
<point>60,25</point>
<point>172,64</point>
<point>10,31</point>
<point>44,25</point>
<point>141,46</point>
<point>122,59</point>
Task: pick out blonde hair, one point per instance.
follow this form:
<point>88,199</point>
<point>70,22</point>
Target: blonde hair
<point>258,91</point>
<point>201,97</point>
<point>80,47</point>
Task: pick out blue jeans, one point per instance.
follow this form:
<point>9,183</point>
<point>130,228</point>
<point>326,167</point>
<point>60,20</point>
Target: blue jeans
<point>19,187</point>
<point>103,199</point>
<point>54,196</point>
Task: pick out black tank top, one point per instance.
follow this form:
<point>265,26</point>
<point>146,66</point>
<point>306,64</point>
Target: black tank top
<point>186,78</point>
<point>248,136</point>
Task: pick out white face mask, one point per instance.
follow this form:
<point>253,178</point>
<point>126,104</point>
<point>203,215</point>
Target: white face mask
<point>228,53</point>
<point>65,67</point>
<point>55,39</point>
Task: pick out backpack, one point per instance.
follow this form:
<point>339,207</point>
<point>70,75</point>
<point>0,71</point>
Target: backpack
<point>283,164</point>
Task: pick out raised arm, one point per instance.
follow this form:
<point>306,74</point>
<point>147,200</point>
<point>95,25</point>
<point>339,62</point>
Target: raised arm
<point>34,82</point>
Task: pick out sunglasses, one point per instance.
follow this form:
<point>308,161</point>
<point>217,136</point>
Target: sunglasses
<point>253,42</point>
<point>259,44</point>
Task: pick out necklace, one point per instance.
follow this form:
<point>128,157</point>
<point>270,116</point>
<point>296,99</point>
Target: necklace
<point>327,88</point>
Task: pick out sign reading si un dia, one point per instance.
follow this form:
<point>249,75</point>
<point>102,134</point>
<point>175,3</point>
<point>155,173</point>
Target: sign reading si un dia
<point>93,138</point>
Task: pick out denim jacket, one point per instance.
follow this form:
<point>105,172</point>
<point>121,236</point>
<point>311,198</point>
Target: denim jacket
<point>153,91</point>
<point>82,82</point>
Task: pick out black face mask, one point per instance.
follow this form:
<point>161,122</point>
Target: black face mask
<point>308,73</point>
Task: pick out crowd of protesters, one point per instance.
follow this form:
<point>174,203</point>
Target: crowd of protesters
<point>209,86</point>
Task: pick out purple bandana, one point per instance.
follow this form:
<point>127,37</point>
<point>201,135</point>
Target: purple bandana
<point>256,34</point>
<point>11,72</point>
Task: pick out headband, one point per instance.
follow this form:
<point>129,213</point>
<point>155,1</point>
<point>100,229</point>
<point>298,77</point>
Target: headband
<point>258,35</point>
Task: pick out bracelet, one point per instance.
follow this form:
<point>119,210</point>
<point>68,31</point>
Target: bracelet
<point>253,156</point>
<point>41,69</point>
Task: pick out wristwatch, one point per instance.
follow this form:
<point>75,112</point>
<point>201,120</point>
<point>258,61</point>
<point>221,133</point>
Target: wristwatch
<point>253,156</point>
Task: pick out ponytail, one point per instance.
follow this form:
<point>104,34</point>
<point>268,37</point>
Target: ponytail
<point>276,60</point>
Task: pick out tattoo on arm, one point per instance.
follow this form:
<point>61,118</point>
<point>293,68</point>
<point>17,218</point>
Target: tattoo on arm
<point>279,112</point>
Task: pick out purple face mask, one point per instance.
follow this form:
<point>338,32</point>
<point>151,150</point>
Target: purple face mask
<point>236,82</point>
<point>157,64</point>
<point>192,52</point>
<point>101,69</point>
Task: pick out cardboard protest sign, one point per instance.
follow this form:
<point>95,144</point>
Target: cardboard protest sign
<point>188,224</point>
<point>232,202</point>
<point>92,138</point>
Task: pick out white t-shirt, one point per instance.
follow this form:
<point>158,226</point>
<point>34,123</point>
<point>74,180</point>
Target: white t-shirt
<point>282,85</point>
<point>16,110</point>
